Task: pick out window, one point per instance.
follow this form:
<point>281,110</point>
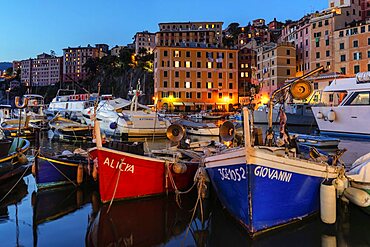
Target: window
<point>317,54</point>
<point>176,53</point>
<point>165,73</point>
<point>177,95</point>
<point>188,64</point>
<point>242,65</point>
<point>187,84</point>
<point>320,23</point>
<point>359,98</point>
<point>357,56</point>
<point>176,64</point>
<point>209,65</point>
<point>272,72</point>
<point>230,75</point>
<point>315,85</point>
<point>199,74</point>
<point>288,61</point>
<point>326,22</point>
<point>209,85</point>
<point>188,54</point>
<point>342,58</point>
<point>199,64</point>
<point>356,69</point>
<point>341,34</point>
<point>343,70</point>
<point>187,74</point>
<point>165,94</point>
<point>199,54</point>
<point>199,95</point>
<point>177,84</point>
<point>220,95</point>
<point>363,29</point>
<point>327,42</point>
<point>220,84</point>
<point>355,43</point>
<point>220,75</point>
<point>331,97</point>
<point>368,67</point>
<point>199,84</point>
<point>230,65</point>
<point>328,53</point>
<point>164,83</point>
<point>317,43</point>
<point>188,95</point>
<point>288,52</point>
<point>231,55</point>
<point>241,74</point>
<point>209,95</point>
<point>341,46</point>
<point>368,39</point>
<point>209,75</point>
<point>165,53</point>
<point>230,85</point>
<point>288,71</point>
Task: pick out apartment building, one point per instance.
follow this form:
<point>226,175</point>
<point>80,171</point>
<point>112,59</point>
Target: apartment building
<point>144,40</point>
<point>275,64</point>
<point>352,49</point>
<point>190,34</point>
<point>188,79</point>
<point>75,57</point>
<point>45,70</point>
<point>247,58</point>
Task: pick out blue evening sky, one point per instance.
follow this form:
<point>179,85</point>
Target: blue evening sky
<point>30,27</point>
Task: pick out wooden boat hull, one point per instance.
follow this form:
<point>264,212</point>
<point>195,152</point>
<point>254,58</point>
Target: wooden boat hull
<point>124,175</point>
<point>268,191</point>
<point>53,171</point>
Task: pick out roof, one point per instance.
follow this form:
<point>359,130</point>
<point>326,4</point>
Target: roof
<point>347,84</point>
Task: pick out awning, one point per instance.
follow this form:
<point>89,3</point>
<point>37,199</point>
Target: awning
<point>177,103</point>
<point>200,103</point>
<point>188,103</point>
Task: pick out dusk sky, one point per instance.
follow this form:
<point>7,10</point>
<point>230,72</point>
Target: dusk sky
<point>33,27</point>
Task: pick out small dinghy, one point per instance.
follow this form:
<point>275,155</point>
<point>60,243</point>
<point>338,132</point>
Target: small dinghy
<point>66,129</point>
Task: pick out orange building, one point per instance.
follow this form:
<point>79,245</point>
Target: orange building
<point>188,79</point>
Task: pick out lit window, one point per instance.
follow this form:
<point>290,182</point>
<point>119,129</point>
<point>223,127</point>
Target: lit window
<point>177,54</point>
<point>209,84</point>
<point>242,66</point>
<point>207,26</point>
<point>188,64</point>
<point>242,74</point>
<point>188,84</point>
<point>246,74</point>
<point>209,65</point>
<point>177,64</point>
<point>246,65</point>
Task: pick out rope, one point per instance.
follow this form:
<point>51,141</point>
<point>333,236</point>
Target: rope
<point>24,173</point>
<point>115,188</point>
<point>74,184</point>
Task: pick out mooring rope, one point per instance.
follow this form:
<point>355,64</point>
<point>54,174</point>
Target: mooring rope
<point>24,173</point>
<point>56,168</point>
<point>115,188</point>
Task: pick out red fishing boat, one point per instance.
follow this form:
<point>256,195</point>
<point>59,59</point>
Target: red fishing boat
<point>124,174</point>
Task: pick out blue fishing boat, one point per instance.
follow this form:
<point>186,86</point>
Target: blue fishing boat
<point>266,187</point>
<point>64,169</point>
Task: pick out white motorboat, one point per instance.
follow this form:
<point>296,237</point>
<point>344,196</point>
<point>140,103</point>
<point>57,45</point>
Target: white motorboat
<point>203,129</point>
<point>352,115</point>
<point>122,118</point>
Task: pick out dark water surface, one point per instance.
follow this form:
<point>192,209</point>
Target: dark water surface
<point>75,217</point>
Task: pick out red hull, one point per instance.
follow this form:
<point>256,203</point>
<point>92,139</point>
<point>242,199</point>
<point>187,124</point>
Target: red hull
<point>124,175</point>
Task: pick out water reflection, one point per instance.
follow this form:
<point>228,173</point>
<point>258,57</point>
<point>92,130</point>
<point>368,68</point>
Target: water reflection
<point>145,222</point>
<point>14,197</point>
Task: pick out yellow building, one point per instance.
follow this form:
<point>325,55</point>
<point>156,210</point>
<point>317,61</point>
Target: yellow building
<point>195,78</point>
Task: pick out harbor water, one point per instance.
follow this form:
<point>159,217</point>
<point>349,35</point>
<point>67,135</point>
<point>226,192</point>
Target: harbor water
<point>75,217</point>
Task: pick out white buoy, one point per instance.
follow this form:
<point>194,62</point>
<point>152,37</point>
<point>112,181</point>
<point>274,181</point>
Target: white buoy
<point>319,115</point>
<point>331,116</point>
<point>328,241</point>
<point>340,185</point>
<point>328,205</point>
<point>357,196</point>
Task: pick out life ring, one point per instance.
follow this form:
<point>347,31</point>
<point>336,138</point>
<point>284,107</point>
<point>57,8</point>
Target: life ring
<point>24,104</point>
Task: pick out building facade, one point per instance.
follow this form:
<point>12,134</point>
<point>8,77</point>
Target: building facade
<point>144,40</point>
<point>75,57</point>
<point>195,78</point>
<point>247,62</point>
<point>275,64</point>
<point>45,70</point>
<point>352,49</point>
<point>190,34</point>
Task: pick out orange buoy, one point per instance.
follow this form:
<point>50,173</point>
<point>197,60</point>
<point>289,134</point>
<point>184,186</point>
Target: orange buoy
<point>80,174</point>
<point>33,169</point>
<point>95,170</point>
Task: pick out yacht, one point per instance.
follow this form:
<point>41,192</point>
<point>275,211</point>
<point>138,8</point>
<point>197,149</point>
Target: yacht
<point>121,118</point>
<point>350,112</point>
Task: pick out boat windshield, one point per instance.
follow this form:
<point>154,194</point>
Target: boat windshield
<point>358,98</point>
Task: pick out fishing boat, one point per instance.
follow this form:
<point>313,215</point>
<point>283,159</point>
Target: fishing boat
<point>164,220</point>
<point>13,162</point>
<point>266,187</point>
<point>123,175</point>
<point>68,130</point>
<point>62,169</point>
<point>11,129</point>
<point>203,129</point>
<point>351,116</point>
<point>211,116</point>
<point>121,118</point>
